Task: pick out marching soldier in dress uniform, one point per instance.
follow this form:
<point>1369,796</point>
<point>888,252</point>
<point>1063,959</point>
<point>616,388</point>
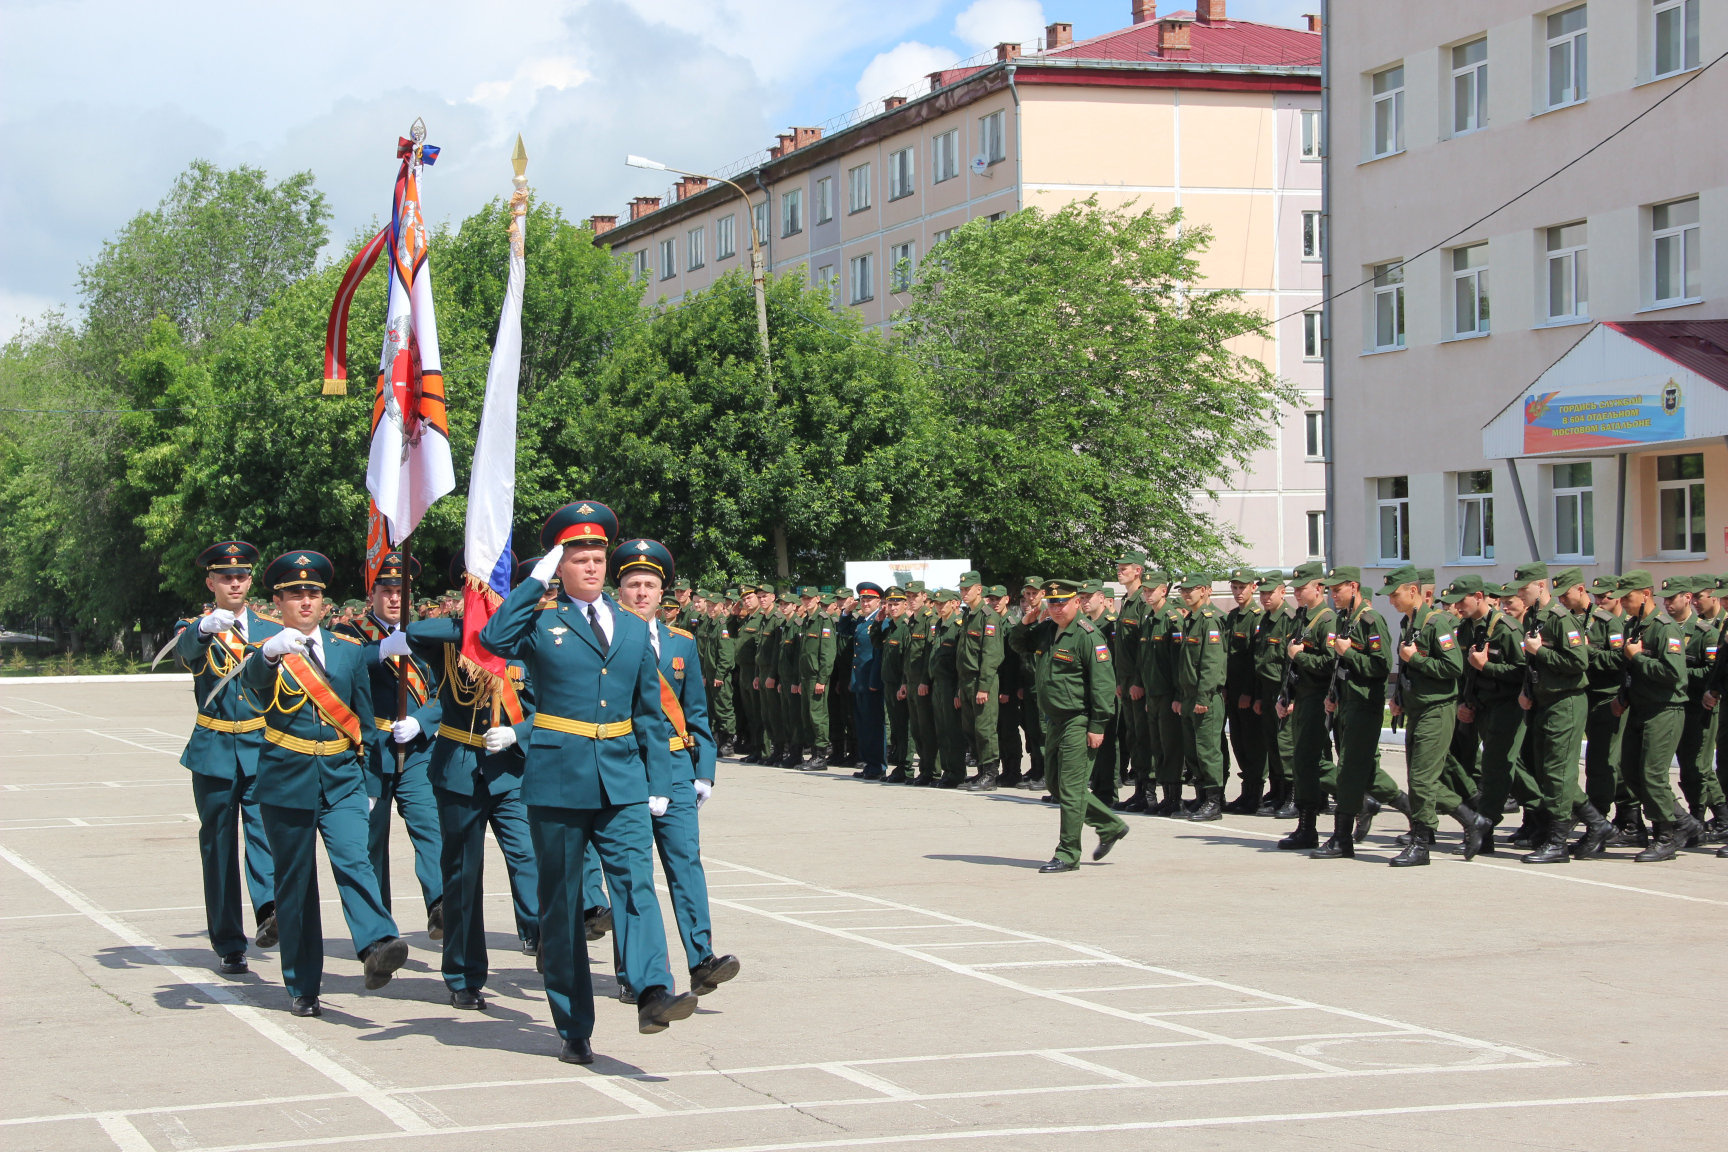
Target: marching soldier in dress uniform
<point>314,691</point>
<point>223,755</point>
<point>1494,654</point>
<point>868,690</point>
<point>398,776</point>
<point>599,764</point>
<point>1655,657</point>
<point>978,662</point>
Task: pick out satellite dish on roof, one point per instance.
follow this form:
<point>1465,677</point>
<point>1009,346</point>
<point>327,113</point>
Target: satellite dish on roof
<point>980,164</point>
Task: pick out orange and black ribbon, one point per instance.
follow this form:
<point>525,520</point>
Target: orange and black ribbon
<point>329,704</point>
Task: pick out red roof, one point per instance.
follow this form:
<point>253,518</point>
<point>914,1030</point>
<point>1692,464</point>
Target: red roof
<point>1229,42</point>
<point>1699,346</point>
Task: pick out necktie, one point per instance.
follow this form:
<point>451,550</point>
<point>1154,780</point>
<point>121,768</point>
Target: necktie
<point>599,632</point>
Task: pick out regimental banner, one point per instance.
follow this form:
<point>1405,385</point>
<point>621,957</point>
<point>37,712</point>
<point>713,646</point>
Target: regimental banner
<point>1649,410</point>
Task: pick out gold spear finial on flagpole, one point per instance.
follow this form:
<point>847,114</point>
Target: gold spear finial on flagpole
<point>519,200</point>
<point>519,161</point>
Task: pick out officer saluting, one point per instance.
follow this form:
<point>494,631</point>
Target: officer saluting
<point>223,755</point>
<point>598,758</point>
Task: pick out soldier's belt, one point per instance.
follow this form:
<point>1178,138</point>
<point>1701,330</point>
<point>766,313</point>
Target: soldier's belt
<point>610,730</point>
<point>306,747</point>
<point>681,744</point>
<point>461,737</point>
<point>230,726</point>
<point>383,724</point>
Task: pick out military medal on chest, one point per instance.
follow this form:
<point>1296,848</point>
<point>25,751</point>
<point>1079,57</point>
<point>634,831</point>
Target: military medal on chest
<point>558,632</point>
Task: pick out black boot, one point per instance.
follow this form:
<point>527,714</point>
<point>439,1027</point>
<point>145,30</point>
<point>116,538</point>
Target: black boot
<point>1305,834</point>
<point>1477,828</point>
<point>986,780</point>
<point>1272,800</point>
<point>1631,831</point>
<point>1287,806</point>
<point>1365,821</point>
<point>1531,831</point>
<point>1010,777</point>
<point>1134,803</point>
<point>1597,832</point>
<point>818,761</point>
<point>1211,805</point>
<point>1691,828</point>
<point>1552,849</point>
<point>1666,842</point>
<point>1339,846</point>
<point>1034,782</point>
<point>1248,802</point>
<point>898,776</point>
<point>1415,854</point>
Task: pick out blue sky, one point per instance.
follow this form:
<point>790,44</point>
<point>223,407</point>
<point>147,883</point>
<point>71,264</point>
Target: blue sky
<point>102,102</point>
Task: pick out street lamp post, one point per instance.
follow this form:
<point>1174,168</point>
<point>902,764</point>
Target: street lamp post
<point>758,274</point>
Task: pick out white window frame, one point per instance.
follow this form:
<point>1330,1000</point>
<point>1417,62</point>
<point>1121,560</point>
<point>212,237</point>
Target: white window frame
<point>1314,435</point>
<point>1312,141</point>
<point>695,248</point>
<point>1386,112</point>
<point>1688,488</point>
<point>992,143</point>
<point>824,200</point>
<point>902,173</point>
<point>1470,77</point>
<point>860,281</point>
<point>1399,508</point>
<point>1316,534</point>
<point>1469,318</point>
<point>1574,48</point>
<point>1388,292</point>
<point>668,258</point>
<point>1313,335</point>
<point>1574,504</point>
<point>792,212</point>
<point>900,279</point>
<point>726,236</point>
<point>1481,504</point>
<point>640,265</point>
<point>1682,241</point>
<point>940,236</point>
<point>1567,264</point>
<point>945,156</point>
<point>1687,14</point>
<point>1311,236</point>
<point>829,283</point>
<point>759,222</point>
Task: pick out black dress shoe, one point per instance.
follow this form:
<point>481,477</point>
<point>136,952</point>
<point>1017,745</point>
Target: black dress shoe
<point>948,782</point>
<point>306,1006</point>
<point>577,1050</point>
<point>530,947</point>
<point>267,932</point>
<point>626,994</point>
<point>382,959</point>
<point>712,973</point>
<point>656,1008</point>
<point>1059,866</point>
<point>467,1000</point>
<point>435,920</point>
<point>233,964</point>
<point>597,922</point>
<point>1105,843</point>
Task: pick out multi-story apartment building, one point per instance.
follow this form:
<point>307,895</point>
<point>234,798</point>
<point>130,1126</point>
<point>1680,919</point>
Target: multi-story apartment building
<point>1580,419</point>
<point>1219,117</point>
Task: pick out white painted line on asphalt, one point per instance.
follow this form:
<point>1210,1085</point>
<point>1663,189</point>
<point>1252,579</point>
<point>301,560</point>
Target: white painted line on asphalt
<point>1096,1069</point>
<point>149,739</point>
<point>57,786</point>
<point>124,1133</point>
<point>357,1084</point>
<point>35,709</point>
<point>613,1090</point>
<point>865,1080</point>
<point>47,823</point>
<point>1125,987</point>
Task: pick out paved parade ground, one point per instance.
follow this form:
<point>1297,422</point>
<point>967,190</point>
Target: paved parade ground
<point>909,981</point>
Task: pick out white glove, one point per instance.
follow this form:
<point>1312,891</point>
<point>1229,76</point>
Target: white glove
<point>404,731</point>
<point>395,644</point>
<point>283,642</point>
<point>219,620</point>
<point>657,805</point>
<point>498,739</point>
<point>704,789</point>
<point>548,564</point>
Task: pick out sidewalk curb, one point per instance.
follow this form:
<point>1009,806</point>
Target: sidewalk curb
<point>138,678</point>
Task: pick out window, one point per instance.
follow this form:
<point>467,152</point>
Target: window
<point>1676,36</point>
<point>695,244</point>
<point>1316,535</point>
<point>640,265</point>
<point>902,262</point>
<point>996,217</point>
<point>1389,111</point>
<point>1389,305</point>
<point>945,156</point>
<point>1314,435</point>
<point>1310,133</point>
<point>824,199</point>
<point>725,237</point>
<point>825,281</point>
<point>1470,86</point>
<point>1310,335</point>
<point>1568,273</point>
<point>1310,235</point>
<point>900,184</point>
<point>1470,290</point>
<point>990,142</point>
<point>941,236</point>
<point>862,282</point>
<point>759,220</point>
<point>1568,57</point>
<point>858,188</point>
<point>1475,516</point>
<point>792,212</point>
<point>1574,512</point>
<point>1392,494</point>
<point>1674,234</point>
<point>668,259</point>
<point>1680,502</point>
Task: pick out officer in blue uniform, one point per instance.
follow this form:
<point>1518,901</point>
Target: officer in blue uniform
<point>223,755</point>
<point>397,776</point>
<point>641,569</point>
<point>315,695</point>
<point>869,714</point>
<point>598,756</point>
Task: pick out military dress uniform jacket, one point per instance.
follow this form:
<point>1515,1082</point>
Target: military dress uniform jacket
<point>978,659</point>
<point>1202,660</point>
<point>230,732</point>
<point>1071,667</point>
<point>867,650</point>
<point>1437,667</point>
<point>423,691</point>
<point>600,735</point>
<point>680,664</point>
<point>460,762</point>
<point>306,759</point>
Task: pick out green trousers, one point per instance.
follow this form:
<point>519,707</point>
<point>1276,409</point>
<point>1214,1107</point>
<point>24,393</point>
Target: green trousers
<point>1359,771</point>
<point>815,712</point>
<point>1559,727</point>
<point>749,707</point>
<point>1461,759</point>
<point>720,713</point>
<point>899,713</point>
<point>1278,741</point>
<point>1106,782</point>
<point>792,719</point>
<point>950,729</point>
<point>1169,747</point>
<point>1068,771</point>
<point>1697,749</point>
<point>1603,780</point>
<point>1428,730</point>
<point>980,722</point>
<point>1647,748</point>
<point>1313,772</point>
<point>1247,741</point>
<point>1032,723</point>
<point>1501,727</point>
<point>923,712</point>
<point>1202,739</point>
<point>768,707</point>
<point>1136,740</point>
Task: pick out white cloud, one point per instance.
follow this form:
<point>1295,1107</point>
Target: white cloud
<point>987,23</point>
<point>901,65</point>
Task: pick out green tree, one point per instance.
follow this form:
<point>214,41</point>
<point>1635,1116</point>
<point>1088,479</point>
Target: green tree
<point>1093,394</point>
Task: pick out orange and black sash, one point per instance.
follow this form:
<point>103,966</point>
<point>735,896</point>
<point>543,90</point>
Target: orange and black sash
<point>510,697</point>
<point>233,650</point>
<point>403,665</point>
<point>675,712</point>
<point>330,705</point>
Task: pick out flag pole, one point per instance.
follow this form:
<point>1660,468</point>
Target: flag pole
<point>402,618</point>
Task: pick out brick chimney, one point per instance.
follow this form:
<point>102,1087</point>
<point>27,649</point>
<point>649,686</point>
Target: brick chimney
<point>640,206</point>
<point>688,186</point>
<point>1173,36</point>
<point>1209,11</point>
<point>600,225</point>
<point>1007,51</point>
<point>1058,35</point>
<point>1313,22</point>
<point>889,103</point>
<point>804,137</point>
<point>936,80</point>
<point>1144,11</point>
